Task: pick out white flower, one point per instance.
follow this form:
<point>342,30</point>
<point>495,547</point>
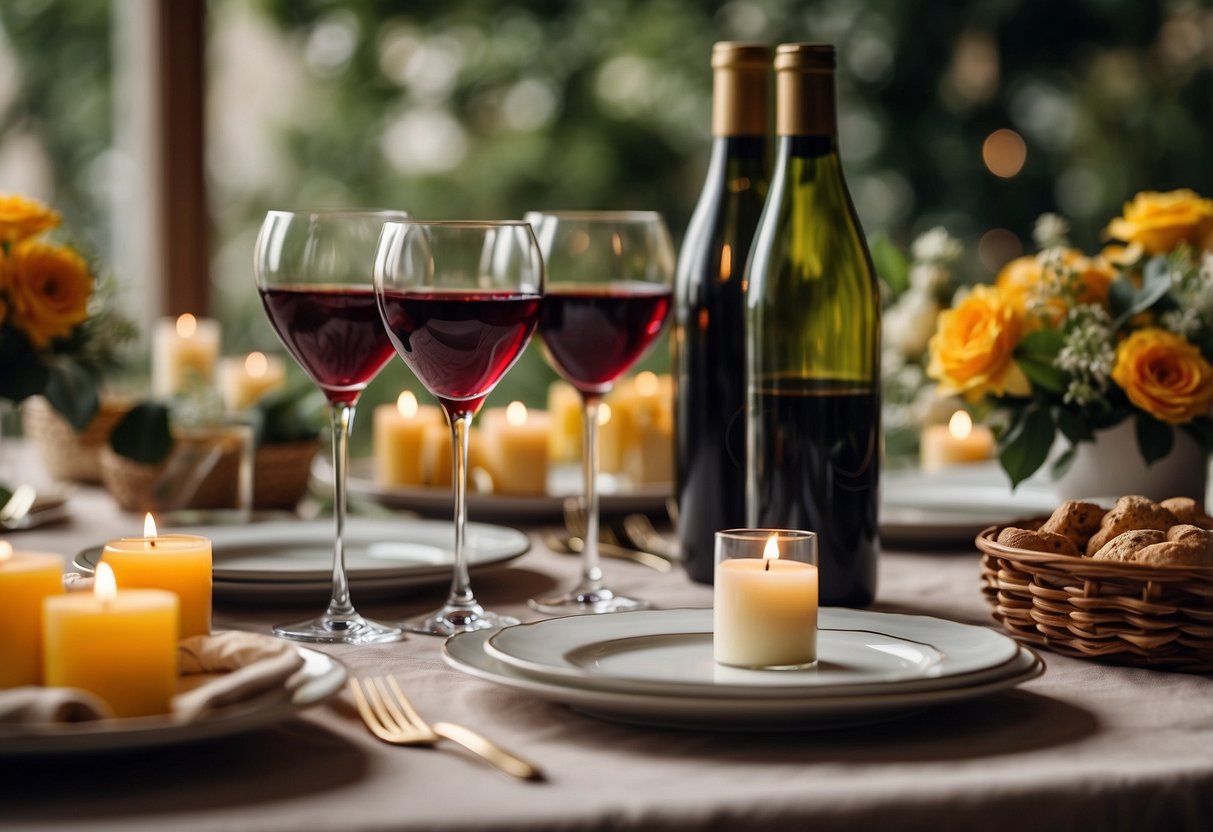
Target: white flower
<point>910,323</point>
<point>1185,322</point>
<point>928,277</point>
<point>937,246</point>
<point>1050,230</point>
<point>1206,267</point>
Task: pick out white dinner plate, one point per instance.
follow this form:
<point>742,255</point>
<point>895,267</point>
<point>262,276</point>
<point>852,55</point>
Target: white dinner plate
<point>466,652</point>
<point>953,505</point>
<point>403,550</point>
<point>324,676</point>
<point>616,495</point>
<point>669,652</point>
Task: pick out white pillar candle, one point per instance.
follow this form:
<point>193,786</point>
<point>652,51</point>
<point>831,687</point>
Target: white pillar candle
<point>956,443</point>
<point>183,348</point>
<point>399,430</point>
<point>245,380</point>
<point>765,610</point>
<point>516,450</point>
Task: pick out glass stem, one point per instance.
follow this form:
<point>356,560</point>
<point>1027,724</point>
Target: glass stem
<point>461,590</point>
<point>591,571</point>
<point>342,419</point>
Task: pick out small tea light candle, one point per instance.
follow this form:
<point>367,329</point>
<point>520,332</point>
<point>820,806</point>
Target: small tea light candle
<point>765,607</point>
<point>957,443</point>
<point>246,380</point>
<point>399,431</point>
<point>180,348</point>
<point>516,450</point>
<point>26,578</point>
<point>122,646</point>
<point>178,563</point>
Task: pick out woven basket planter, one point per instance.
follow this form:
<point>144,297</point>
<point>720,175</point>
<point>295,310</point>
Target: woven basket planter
<point>280,473</point>
<point>67,455</point>
<point>1123,613</point>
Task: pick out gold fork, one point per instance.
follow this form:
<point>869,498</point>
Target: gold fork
<point>390,716</point>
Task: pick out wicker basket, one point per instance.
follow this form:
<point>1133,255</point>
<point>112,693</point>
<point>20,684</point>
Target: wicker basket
<point>67,455</point>
<point>280,473</point>
<point>1124,613</point>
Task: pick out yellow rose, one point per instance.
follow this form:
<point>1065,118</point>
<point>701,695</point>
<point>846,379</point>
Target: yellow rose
<point>973,346</point>
<point>1020,278</point>
<point>48,288</point>
<point>1164,375</point>
<point>21,218</point>
<point>1158,222</point>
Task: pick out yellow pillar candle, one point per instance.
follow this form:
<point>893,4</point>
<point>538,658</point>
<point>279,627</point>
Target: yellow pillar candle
<point>25,579</point>
<point>122,646</point>
<point>515,450</point>
<point>246,380</point>
<point>649,454</point>
<point>765,611</point>
<point>566,411</point>
<point>178,563</point>
<point>181,349</point>
<point>956,443</point>
<point>398,433</point>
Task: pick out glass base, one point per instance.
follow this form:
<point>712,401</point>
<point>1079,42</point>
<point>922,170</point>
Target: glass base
<point>451,619</point>
<point>587,602</point>
<point>340,629</point>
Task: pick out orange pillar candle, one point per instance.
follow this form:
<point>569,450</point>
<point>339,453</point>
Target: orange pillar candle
<point>121,646</point>
<point>957,443</point>
<point>516,450</point>
<point>25,579</point>
<point>179,563</point>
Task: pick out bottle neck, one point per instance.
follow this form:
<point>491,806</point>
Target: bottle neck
<point>739,102</point>
<point>805,104</point>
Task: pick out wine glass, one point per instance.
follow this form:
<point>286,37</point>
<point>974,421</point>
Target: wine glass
<point>460,301</point>
<point>314,274</point>
<point>610,283</point>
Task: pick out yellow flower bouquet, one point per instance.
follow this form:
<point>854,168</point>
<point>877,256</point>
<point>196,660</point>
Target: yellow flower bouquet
<point>1064,343</point>
<point>56,339</point>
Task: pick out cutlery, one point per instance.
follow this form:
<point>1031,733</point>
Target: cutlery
<point>640,532</point>
<point>572,545</point>
<point>390,716</point>
<point>17,507</point>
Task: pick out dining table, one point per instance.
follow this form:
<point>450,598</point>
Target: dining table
<point>1085,745</point>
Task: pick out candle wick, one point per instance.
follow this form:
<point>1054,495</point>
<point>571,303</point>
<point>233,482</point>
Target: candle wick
<point>766,564</point>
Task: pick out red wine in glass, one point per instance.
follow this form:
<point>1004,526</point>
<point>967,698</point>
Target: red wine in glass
<point>592,333</point>
<point>334,332</point>
<point>460,343</point>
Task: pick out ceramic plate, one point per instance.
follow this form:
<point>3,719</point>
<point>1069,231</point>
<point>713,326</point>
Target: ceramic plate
<point>670,652</point>
<point>466,652</point>
<point>616,496</point>
<point>953,505</point>
<point>403,550</point>
<point>325,676</point>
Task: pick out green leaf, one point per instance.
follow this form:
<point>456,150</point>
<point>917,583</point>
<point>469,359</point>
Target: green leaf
<point>1073,426</point>
<point>1201,429</point>
<point>22,373</point>
<point>1043,342</point>
<point>891,263</point>
<point>1154,438</point>
<point>1043,374</point>
<point>1063,462</point>
<point>143,434</point>
<point>72,390</point>
<point>1155,284</point>
<point>1120,295</point>
<point>1027,445</point>
<point>1035,356</point>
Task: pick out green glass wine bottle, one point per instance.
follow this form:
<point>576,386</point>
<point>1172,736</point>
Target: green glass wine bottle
<point>813,342</point>
<point>709,330</point>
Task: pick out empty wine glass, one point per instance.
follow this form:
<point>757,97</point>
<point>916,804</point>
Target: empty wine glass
<point>610,283</point>
<point>460,301</point>
<point>314,273</point>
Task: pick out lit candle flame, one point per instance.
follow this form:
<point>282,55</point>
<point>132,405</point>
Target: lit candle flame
<point>515,414</point>
<point>187,325</point>
<point>604,414</point>
<point>960,425</point>
<point>406,404</point>
<point>105,587</point>
<point>256,364</point>
<point>6,550</point>
<point>149,526</point>
<point>771,550</point>
<point>647,383</point>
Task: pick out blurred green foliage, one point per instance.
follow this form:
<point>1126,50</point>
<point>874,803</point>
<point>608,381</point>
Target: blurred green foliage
<point>487,108</point>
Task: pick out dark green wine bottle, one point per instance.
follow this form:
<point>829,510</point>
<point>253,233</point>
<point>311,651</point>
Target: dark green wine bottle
<point>813,342</point>
<point>709,330</point>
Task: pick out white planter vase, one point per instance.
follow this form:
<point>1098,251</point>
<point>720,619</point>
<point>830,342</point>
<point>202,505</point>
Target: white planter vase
<point>1112,466</point>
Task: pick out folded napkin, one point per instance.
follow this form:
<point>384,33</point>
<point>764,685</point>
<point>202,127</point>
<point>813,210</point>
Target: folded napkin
<point>216,671</point>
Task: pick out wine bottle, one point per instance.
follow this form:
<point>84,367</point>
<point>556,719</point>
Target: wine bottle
<point>813,342</point>
<point>709,340</point>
